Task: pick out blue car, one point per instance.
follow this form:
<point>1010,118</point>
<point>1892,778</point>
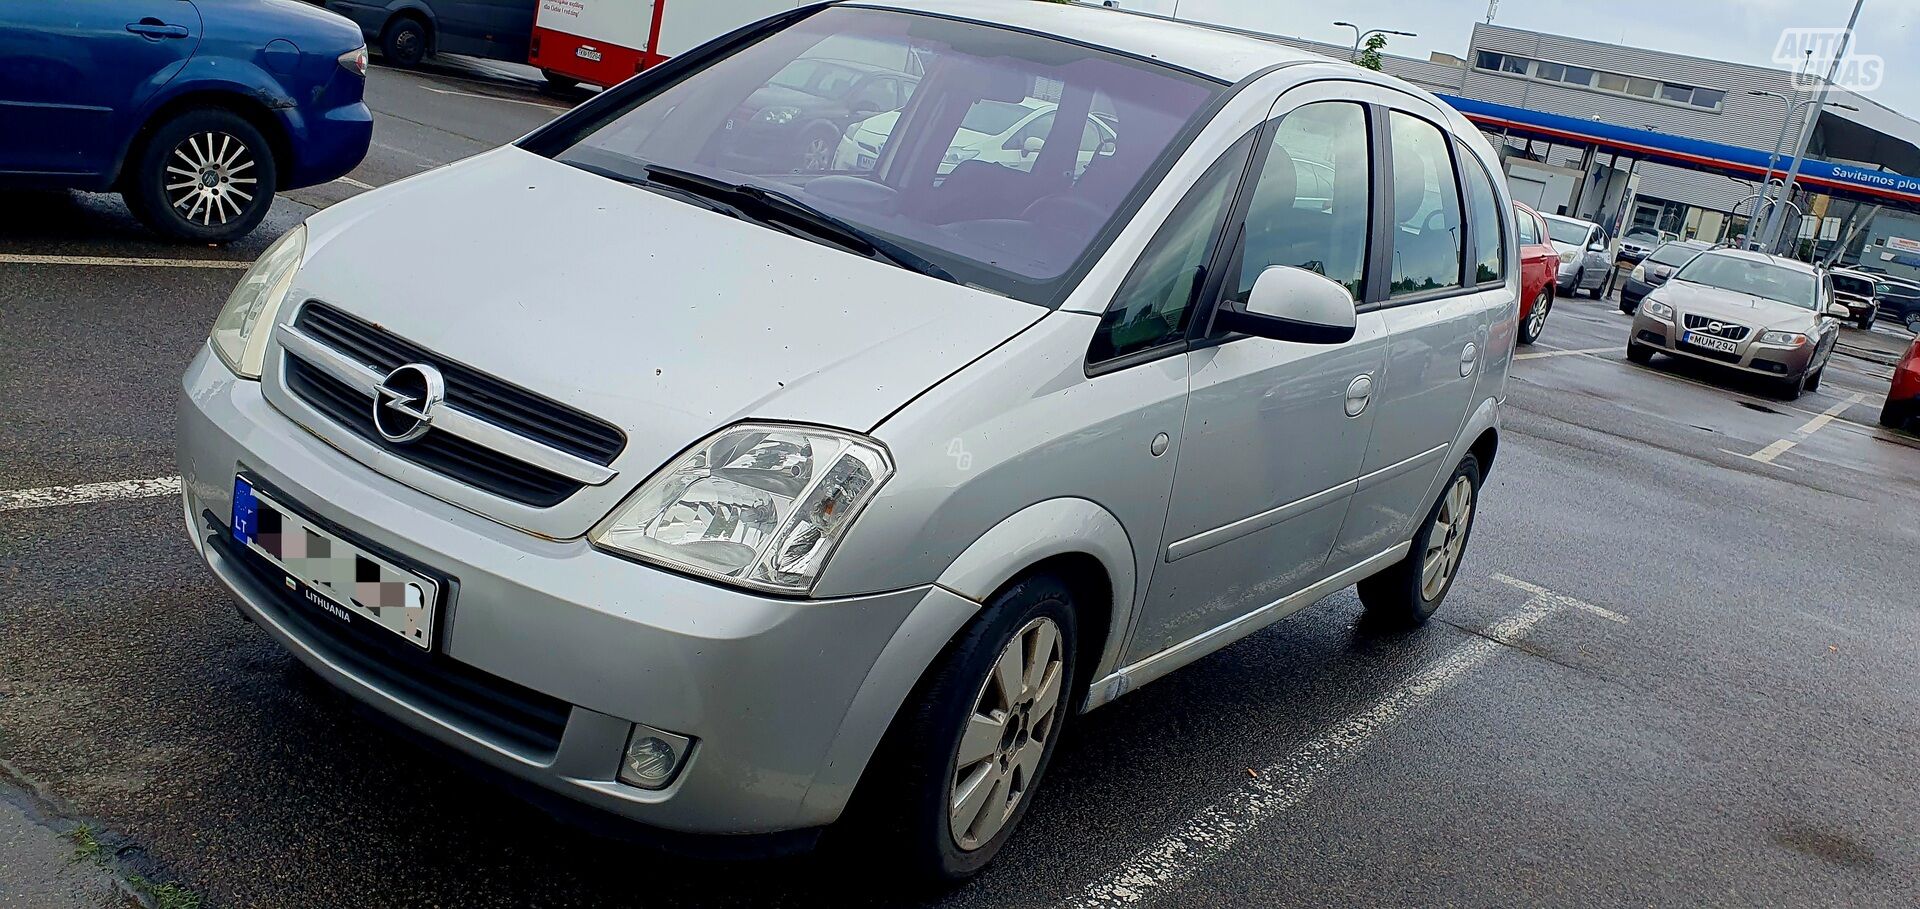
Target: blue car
<point>196,111</point>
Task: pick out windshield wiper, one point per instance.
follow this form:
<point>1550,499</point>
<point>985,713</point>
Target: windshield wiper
<point>778,207</point>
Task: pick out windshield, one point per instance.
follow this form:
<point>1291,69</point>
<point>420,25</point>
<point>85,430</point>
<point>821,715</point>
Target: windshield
<point>1751,276</point>
<point>1013,217</point>
<point>1673,254</point>
<point>1848,284</point>
<point>1572,232</point>
<point>820,78</point>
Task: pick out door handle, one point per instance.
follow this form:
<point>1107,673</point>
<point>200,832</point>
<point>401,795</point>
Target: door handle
<point>1469,355</point>
<point>154,28</point>
<point>1359,395</point>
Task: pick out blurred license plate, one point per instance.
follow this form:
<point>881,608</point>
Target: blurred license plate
<point>1710,342</point>
<point>332,575</point>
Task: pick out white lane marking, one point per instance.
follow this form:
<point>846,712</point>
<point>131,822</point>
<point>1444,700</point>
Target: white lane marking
<point>1819,422</point>
<point>1540,592</point>
<point>356,184</point>
<point>120,261</point>
<point>1214,832</point>
<point>1559,353</point>
<point>448,91</point>
<point>50,496</point>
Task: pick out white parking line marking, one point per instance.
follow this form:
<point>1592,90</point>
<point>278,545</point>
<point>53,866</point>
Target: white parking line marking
<point>1278,787</point>
<point>1819,422</point>
<point>448,91</point>
<point>1540,592</point>
<point>356,184</point>
<point>50,496</point>
<point>120,261</point>
<point>1559,353</point>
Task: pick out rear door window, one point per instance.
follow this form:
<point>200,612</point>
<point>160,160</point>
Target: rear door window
<point>1489,237</point>
<point>1427,242</point>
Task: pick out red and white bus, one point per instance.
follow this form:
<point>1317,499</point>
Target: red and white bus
<point>604,42</point>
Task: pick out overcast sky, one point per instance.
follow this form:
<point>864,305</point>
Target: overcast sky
<point>1743,31</point>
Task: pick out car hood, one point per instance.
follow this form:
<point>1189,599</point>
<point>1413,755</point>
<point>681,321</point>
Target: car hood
<point>1733,306</point>
<point>663,318</point>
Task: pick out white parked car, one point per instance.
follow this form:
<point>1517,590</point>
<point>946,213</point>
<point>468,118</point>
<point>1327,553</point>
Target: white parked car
<point>1007,133</point>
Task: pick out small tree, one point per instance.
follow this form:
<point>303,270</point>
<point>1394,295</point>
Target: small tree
<point>1370,52</point>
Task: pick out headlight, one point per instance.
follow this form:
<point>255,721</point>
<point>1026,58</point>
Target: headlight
<point>1640,273</point>
<point>778,116</point>
<point>1657,309</point>
<point>1783,338</point>
<point>757,505</point>
<point>959,154</point>
<point>355,61</point>
<point>1566,258</point>
<point>240,332</point>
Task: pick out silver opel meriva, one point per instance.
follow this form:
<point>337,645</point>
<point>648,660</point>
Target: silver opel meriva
<point>670,466</point>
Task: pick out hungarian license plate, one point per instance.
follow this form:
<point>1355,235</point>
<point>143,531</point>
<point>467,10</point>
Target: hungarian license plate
<point>587,53</point>
<point>331,574</point>
<point>1710,342</point>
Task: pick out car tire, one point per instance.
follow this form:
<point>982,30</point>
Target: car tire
<point>181,185</point>
<point>1866,322</point>
<point>905,810</point>
<point>404,41</point>
<point>1913,323</point>
<point>559,82</point>
<point>1792,389</point>
<point>1896,414</point>
<point>1628,306</point>
<point>1536,320</point>
<point>817,147</point>
<point>1813,379</point>
<point>1579,277</point>
<point>1639,353</point>
<point>1406,595</point>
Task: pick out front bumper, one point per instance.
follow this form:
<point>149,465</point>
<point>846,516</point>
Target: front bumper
<point>777,694</point>
<point>1751,356</point>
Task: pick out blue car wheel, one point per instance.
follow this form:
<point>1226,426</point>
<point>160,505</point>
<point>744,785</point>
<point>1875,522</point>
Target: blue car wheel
<point>206,175</point>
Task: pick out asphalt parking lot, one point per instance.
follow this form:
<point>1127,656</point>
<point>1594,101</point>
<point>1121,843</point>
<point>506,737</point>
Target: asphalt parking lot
<point>1678,667</point>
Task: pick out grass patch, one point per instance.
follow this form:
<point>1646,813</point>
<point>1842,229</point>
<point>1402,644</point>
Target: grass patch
<point>165,896</point>
<point>86,846</point>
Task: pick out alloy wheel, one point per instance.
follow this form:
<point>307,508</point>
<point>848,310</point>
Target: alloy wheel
<point>817,156</point>
<point>1537,320</point>
<point>208,178</point>
<point>1013,719</point>
<point>1448,539</point>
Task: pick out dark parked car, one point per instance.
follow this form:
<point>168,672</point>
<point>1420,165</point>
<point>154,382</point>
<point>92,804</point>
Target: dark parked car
<point>406,31</point>
<point>197,111</point>
<point>801,113</point>
<point>1654,270</point>
<point>1898,300</point>
<point>1855,289</point>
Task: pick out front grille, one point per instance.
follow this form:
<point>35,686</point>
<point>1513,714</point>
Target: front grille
<point>514,409</point>
<point>481,703</point>
<point>1703,325</point>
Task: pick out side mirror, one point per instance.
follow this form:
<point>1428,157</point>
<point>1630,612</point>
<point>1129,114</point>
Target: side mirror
<point>1032,146</point>
<point>1293,304</point>
<point>1107,148</point>
<point>861,110</point>
<point>1597,247</point>
<point>1839,311</point>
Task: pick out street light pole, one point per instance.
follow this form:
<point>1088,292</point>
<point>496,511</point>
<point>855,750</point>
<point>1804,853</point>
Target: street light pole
<point>1353,56</point>
<point>1774,217</point>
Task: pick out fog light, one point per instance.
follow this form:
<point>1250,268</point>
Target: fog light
<point>653,757</point>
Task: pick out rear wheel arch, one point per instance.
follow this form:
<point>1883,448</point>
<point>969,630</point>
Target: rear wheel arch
<point>1483,449</point>
<point>247,108</point>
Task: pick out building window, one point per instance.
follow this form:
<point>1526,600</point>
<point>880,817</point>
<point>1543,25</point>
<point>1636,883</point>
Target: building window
<point>1612,83</point>
<point>1709,98</point>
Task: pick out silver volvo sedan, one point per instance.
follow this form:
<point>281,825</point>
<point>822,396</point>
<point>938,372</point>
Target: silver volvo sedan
<point>694,480</point>
<point>1757,313</point>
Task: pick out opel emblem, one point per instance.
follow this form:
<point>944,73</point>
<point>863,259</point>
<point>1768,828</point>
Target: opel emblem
<point>404,402</point>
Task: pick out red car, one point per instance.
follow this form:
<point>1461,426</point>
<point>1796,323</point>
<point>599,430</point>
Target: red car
<point>1539,269</point>
<point>1903,400</point>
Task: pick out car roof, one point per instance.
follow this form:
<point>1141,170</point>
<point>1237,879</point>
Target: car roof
<point>1225,54</point>
<point>1567,220</point>
<point>1753,255</point>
